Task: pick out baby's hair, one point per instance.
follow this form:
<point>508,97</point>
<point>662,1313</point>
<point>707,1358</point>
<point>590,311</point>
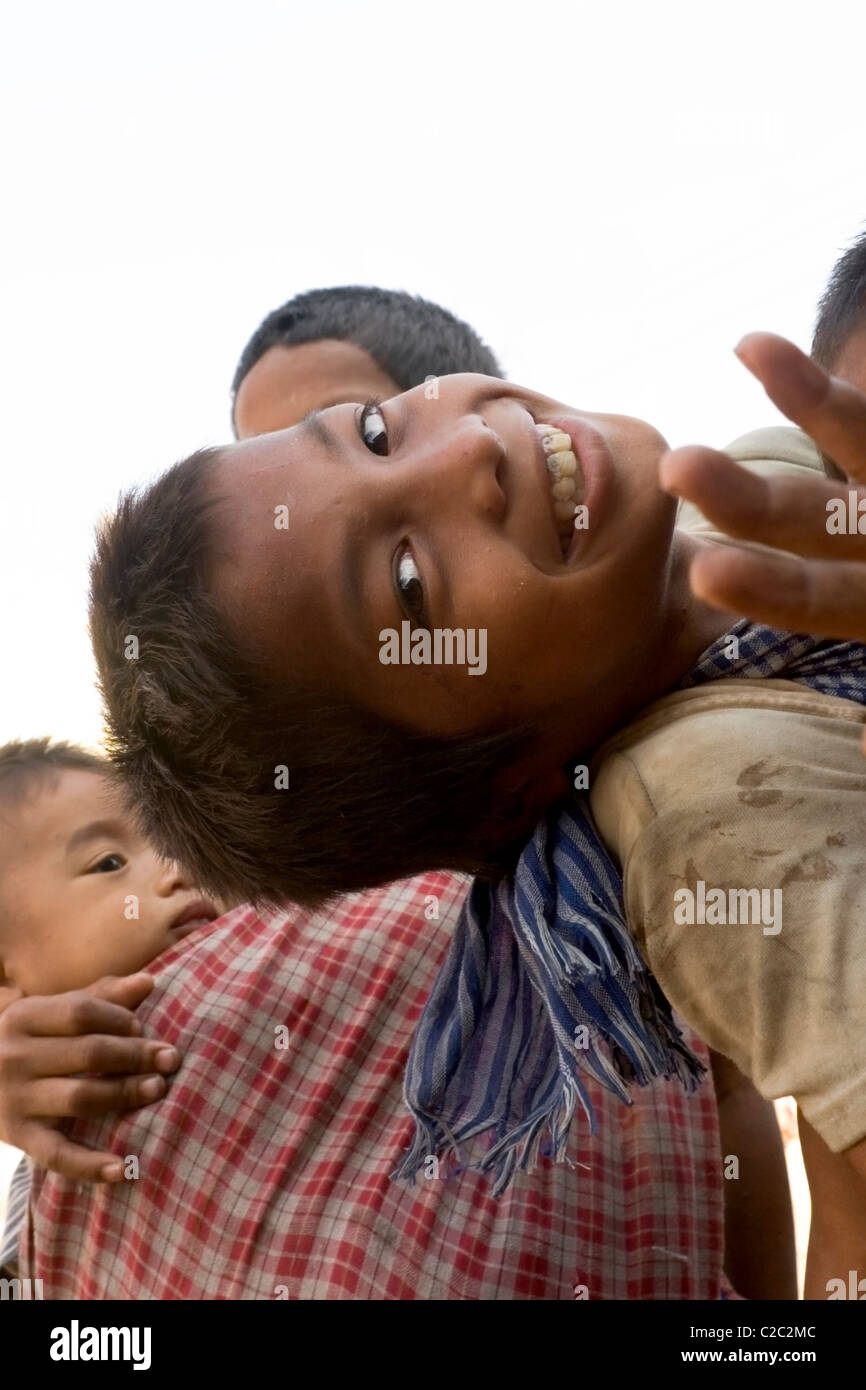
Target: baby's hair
<point>409,338</point>
<point>25,763</point>
<point>842,307</point>
<point>199,734</point>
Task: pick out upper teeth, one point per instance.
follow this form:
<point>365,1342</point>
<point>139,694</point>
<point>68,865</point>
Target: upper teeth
<point>566,479</point>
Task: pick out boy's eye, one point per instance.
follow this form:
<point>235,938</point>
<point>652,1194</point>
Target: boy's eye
<point>410,587</point>
<point>108,864</point>
<point>372,428</point>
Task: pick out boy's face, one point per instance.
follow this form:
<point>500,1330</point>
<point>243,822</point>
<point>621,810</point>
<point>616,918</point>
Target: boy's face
<point>287,382</point>
<point>454,523</point>
<point>81,892</point>
<point>850,364</point>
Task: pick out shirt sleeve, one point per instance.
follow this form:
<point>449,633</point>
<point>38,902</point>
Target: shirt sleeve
<point>743,844</point>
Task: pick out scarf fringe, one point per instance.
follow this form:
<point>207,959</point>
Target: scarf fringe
<point>518,1150</point>
<point>652,1053</point>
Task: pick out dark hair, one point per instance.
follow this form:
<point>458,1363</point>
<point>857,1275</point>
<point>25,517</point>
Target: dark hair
<point>200,734</point>
<point>25,762</point>
<point>842,307</point>
<point>408,337</point>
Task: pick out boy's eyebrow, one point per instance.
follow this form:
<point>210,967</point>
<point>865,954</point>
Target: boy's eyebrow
<point>349,587</point>
<point>351,551</point>
<point>316,425</point>
<point>350,565</point>
<point>96,829</point>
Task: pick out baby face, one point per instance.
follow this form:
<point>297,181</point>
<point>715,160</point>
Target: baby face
<point>441,507</point>
<point>82,894</point>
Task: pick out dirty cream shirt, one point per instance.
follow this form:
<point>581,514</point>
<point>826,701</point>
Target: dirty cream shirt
<point>740,785</point>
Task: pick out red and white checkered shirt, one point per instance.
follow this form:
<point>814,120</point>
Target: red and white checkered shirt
<point>264,1172</point>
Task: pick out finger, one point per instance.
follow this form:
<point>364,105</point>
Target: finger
<point>810,515</point>
<point>85,1096</point>
<point>99,1053</point>
<point>66,1015</point>
<point>814,596</point>
<point>8,996</point>
<point>126,990</point>
<point>51,1149</point>
<point>832,412</point>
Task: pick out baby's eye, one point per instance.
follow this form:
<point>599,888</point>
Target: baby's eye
<point>410,587</point>
<point>108,864</point>
<point>372,428</point>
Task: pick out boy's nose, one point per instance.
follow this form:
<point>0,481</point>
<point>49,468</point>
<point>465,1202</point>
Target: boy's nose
<point>460,470</point>
<point>172,879</point>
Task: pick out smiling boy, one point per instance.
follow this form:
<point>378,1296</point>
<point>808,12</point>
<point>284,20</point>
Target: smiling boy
<point>439,511</point>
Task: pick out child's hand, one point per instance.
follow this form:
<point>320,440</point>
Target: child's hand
<point>50,1045</point>
<point>824,593</point>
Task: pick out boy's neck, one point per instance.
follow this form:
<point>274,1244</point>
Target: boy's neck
<point>686,627</point>
<point>692,625</point>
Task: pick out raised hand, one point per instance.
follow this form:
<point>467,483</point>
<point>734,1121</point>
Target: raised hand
<point>821,588</point>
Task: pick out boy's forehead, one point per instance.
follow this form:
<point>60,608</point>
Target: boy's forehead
<point>267,578</point>
<point>850,363</point>
<point>58,804</point>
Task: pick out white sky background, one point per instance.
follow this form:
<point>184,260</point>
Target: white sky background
<point>611,193</point>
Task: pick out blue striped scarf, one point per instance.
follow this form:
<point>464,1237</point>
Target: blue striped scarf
<point>543,984</point>
<point>16,1215</point>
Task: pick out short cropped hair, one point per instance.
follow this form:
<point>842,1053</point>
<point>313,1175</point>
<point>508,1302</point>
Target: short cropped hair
<point>842,307</point>
<point>266,791</point>
<point>26,763</point>
<point>408,337</point>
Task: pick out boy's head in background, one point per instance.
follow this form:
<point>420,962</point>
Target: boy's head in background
<point>82,894</point>
<point>347,343</point>
<point>839,338</point>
